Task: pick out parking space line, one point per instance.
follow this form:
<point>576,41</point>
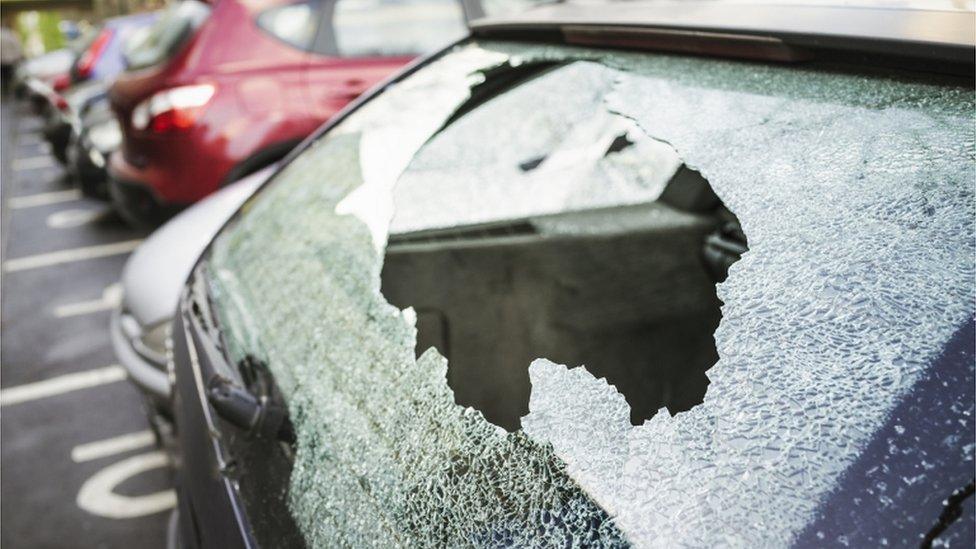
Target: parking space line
<point>32,163</point>
<point>61,384</point>
<point>69,256</point>
<point>112,446</point>
<point>111,297</point>
<point>76,217</point>
<point>97,495</point>
<point>30,139</point>
<point>43,199</point>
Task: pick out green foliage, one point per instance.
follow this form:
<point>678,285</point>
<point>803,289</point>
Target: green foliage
<point>42,24</point>
<point>47,25</point>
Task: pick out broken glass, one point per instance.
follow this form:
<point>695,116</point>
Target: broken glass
<point>384,456</point>
<point>857,196</point>
<point>856,193</point>
<point>537,158</point>
<point>530,227</point>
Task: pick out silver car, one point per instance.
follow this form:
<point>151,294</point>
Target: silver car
<point>151,282</point>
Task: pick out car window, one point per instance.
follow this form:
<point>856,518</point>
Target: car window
<point>80,44</point>
<point>294,24</point>
<point>173,28</point>
<point>571,155</point>
<point>387,28</point>
<point>544,200</point>
<point>499,318</point>
<point>135,37</point>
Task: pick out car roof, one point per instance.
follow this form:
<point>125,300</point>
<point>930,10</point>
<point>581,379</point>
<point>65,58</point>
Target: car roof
<point>938,33</point>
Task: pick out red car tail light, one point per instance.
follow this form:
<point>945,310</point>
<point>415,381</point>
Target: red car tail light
<point>61,83</point>
<point>172,109</point>
<point>88,59</point>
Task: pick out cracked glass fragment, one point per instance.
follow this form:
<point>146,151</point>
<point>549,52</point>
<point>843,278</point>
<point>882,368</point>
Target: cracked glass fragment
<point>383,455</point>
<point>591,257</point>
<point>856,194</point>
<point>475,170</point>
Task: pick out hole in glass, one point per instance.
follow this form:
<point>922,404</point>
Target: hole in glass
<point>636,306</point>
<point>527,228</point>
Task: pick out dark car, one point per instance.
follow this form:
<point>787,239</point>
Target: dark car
<point>223,90</point>
<point>96,136</point>
<point>62,114</point>
<point>565,284</point>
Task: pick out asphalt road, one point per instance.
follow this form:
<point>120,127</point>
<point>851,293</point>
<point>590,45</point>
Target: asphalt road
<point>78,466</point>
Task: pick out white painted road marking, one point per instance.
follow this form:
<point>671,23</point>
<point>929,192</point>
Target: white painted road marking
<point>68,256</point>
<point>43,199</point>
<point>32,163</point>
<point>111,297</point>
<point>98,497</point>
<point>30,139</point>
<point>76,217</point>
<point>36,133</point>
<point>61,384</point>
<point>112,446</point>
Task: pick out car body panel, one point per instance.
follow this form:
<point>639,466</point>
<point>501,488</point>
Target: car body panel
<point>939,30</point>
<point>205,490</point>
<point>47,65</point>
<point>148,377</point>
<point>330,85</point>
<point>43,68</point>
<point>153,275</point>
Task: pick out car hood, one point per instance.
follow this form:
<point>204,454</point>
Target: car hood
<point>154,275</point>
<point>49,64</point>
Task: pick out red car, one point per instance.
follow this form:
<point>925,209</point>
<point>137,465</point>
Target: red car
<point>220,90</point>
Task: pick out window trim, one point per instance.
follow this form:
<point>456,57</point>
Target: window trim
<point>316,7</point>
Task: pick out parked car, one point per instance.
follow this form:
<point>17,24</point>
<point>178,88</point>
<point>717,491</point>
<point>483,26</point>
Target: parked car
<point>92,141</point>
<point>92,72</point>
<point>103,58</point>
<point>152,281</point>
<point>399,339</point>
<point>61,114</point>
<point>34,78</point>
<point>37,78</point>
<point>222,90</point>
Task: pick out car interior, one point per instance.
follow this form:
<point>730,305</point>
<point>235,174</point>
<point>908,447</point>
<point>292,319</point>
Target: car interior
<point>628,292</point>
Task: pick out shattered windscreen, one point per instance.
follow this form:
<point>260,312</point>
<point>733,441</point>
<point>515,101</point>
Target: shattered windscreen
<point>856,194</point>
